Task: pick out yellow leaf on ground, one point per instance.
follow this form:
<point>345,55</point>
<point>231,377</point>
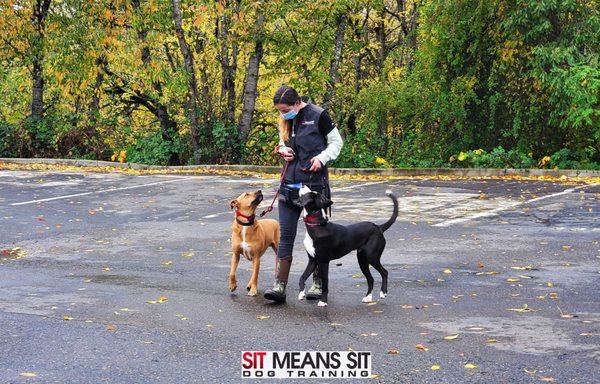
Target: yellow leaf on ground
<point>435,367</point>
<point>422,347</point>
<point>523,309</point>
<point>491,341</point>
<point>447,271</point>
<point>263,317</point>
<point>28,374</point>
<point>66,317</point>
<point>470,366</point>
<point>525,268</point>
<point>166,262</point>
<point>450,337</point>
<point>162,299</point>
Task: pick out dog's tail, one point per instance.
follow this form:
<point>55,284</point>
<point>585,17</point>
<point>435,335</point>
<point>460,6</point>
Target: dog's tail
<point>385,226</point>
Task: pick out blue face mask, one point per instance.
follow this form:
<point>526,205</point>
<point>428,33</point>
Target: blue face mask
<point>289,115</point>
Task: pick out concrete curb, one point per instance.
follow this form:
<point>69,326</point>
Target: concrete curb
<point>464,172</point>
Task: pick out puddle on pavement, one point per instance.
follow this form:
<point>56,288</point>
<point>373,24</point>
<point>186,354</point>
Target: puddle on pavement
<point>36,300</point>
<point>532,334</point>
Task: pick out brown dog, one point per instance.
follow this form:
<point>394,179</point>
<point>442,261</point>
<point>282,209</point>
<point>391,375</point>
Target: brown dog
<point>250,237</point>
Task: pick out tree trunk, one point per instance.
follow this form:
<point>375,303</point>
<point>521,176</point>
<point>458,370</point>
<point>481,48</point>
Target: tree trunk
<point>228,60</point>
<point>40,11</point>
<point>342,22</point>
<point>188,59</point>
<point>251,85</point>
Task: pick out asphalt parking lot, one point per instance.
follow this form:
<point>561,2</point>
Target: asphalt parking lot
<point>123,279</point>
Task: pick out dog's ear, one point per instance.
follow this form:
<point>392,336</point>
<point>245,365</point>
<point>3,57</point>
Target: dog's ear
<point>234,204</point>
<point>324,202</point>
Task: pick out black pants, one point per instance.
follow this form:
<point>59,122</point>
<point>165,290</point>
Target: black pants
<point>289,214</point>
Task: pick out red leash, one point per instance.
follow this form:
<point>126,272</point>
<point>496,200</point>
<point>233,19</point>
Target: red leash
<point>270,207</point>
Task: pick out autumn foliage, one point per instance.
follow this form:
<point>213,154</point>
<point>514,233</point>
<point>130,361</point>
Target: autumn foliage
<point>409,83</point>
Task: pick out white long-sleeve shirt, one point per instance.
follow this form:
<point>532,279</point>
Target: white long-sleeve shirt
<point>331,152</point>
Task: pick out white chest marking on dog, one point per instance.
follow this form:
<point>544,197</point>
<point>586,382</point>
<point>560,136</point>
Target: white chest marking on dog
<point>245,245</point>
<point>308,244</point>
<point>304,190</point>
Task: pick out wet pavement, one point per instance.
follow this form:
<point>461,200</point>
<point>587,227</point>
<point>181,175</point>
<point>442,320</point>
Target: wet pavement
<point>123,279</point>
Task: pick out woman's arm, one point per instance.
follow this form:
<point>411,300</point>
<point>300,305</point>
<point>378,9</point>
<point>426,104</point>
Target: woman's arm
<point>333,138</point>
<point>334,146</point>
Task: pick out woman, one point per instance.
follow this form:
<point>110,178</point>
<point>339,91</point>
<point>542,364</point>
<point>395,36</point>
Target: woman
<point>308,140</point>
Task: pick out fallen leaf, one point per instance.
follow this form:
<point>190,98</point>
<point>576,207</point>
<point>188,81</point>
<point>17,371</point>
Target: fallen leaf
<point>66,317</point>
<point>566,247</point>
<point>263,317</point>
<point>162,299</point>
<point>470,366</point>
<point>523,309</point>
<point>491,341</point>
<point>451,337</point>
<point>422,347</point>
<point>435,367</point>
<point>187,254</point>
<point>28,374</point>
<point>111,328</point>
<point>447,271</point>
<point>546,378</point>
<point>513,279</point>
<point>480,264</point>
<point>550,284</point>
<point>166,262</point>
<point>375,376</point>
<point>530,371</point>
<point>525,268</point>
<point>393,351</point>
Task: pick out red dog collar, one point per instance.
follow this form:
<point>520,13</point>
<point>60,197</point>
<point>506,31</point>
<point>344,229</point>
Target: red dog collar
<point>249,218</point>
<point>313,220</point>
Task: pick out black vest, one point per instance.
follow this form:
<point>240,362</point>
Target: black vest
<point>307,141</point>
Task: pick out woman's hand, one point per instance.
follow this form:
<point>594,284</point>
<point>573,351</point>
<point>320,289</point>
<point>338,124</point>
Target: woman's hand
<point>288,156</point>
<point>315,165</point>
<point>286,152</point>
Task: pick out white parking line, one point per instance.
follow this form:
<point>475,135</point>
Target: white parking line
<point>358,185</point>
<point>495,211</point>
<point>101,191</point>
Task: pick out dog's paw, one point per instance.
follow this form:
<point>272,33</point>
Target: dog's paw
<point>321,304</point>
<point>382,295</point>
<point>232,285</point>
<point>368,298</point>
<point>252,292</point>
<point>301,295</point>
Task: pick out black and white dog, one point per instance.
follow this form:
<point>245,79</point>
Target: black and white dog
<point>326,241</point>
